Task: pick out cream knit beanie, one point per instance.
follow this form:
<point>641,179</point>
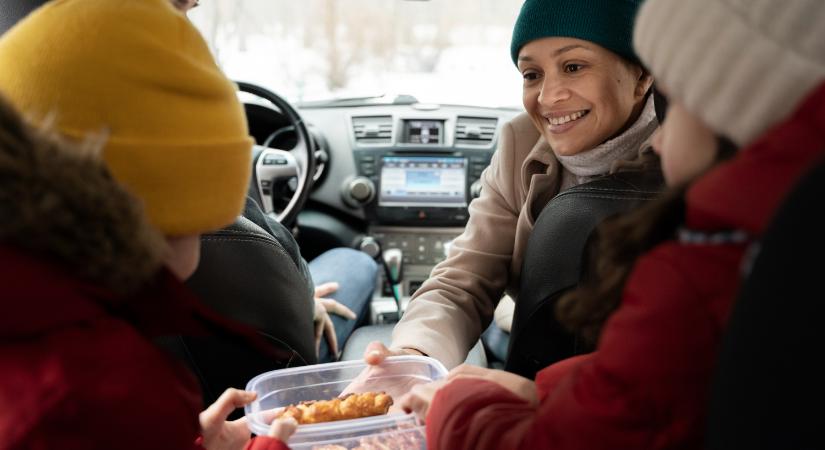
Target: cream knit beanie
<point>741,65</point>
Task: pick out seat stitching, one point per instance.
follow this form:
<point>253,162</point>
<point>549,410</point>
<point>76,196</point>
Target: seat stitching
<point>608,197</point>
<point>270,242</point>
<point>575,191</point>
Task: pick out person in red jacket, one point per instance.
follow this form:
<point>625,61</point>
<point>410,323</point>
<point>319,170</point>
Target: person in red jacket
<point>739,73</point>
<point>99,223</point>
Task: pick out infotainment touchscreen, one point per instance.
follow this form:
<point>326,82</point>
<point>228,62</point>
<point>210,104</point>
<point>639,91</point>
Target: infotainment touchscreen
<point>423,181</point>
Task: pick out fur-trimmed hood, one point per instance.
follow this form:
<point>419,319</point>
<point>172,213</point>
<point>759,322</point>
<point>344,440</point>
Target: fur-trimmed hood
<point>59,202</point>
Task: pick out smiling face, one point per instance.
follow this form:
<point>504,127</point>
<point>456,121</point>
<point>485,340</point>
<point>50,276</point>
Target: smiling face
<point>579,94</point>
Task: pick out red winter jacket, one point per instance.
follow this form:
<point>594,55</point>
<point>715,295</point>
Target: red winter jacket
<point>78,369</point>
<point>647,384</point>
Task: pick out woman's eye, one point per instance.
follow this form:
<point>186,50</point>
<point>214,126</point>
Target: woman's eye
<point>530,76</point>
<point>572,68</point>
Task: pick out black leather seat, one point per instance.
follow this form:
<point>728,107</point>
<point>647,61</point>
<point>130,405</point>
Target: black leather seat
<point>553,263</point>
<point>247,275</point>
<point>11,11</point>
<point>769,387</point>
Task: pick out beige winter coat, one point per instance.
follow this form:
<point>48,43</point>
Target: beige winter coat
<point>451,309</point>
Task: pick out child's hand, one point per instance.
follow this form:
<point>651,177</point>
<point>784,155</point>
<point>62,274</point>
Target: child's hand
<point>420,397</point>
<point>283,428</point>
<point>518,385</point>
<point>217,432</point>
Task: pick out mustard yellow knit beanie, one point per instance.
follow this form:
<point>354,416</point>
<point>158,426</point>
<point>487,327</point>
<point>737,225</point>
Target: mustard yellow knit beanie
<point>140,73</point>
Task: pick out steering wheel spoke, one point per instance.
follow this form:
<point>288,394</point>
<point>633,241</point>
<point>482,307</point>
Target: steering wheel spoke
<point>275,167</point>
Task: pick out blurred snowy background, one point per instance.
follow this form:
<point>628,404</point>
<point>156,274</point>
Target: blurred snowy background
<point>440,51</point>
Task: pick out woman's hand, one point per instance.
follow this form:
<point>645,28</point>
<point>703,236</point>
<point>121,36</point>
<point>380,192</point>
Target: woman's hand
<point>216,431</point>
<point>377,377</point>
<point>377,352</point>
<point>522,387</point>
<point>323,324</point>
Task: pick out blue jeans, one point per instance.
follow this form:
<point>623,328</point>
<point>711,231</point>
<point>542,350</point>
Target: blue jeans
<point>496,341</point>
<point>355,272</point>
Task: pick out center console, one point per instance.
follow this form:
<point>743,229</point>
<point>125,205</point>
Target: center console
<point>414,191</point>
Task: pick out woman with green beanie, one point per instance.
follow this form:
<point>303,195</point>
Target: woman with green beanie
<point>658,295</point>
<point>99,225</point>
<point>588,112</point>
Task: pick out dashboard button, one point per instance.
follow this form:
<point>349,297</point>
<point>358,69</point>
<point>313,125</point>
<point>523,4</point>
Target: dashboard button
<point>272,160</point>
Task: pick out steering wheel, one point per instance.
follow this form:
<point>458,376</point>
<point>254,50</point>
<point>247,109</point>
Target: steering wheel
<point>273,167</point>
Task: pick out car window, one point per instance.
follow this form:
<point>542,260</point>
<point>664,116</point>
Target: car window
<point>438,51</point>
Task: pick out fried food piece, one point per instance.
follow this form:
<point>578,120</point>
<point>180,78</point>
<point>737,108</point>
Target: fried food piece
<point>353,406</point>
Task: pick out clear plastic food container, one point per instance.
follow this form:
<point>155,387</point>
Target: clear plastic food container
<point>396,376</point>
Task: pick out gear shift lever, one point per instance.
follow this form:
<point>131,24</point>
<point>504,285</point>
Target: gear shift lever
<point>393,258</point>
<point>390,260</point>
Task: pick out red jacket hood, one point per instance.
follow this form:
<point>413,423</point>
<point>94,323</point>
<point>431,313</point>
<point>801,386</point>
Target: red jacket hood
<point>744,193</point>
<point>42,296</point>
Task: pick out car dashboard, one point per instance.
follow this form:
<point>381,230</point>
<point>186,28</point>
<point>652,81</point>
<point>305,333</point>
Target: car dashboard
<point>395,177</point>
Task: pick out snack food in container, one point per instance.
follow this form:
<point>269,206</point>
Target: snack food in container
<point>395,376</point>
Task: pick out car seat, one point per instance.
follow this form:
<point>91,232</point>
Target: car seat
<point>554,261</point>
<point>768,390</point>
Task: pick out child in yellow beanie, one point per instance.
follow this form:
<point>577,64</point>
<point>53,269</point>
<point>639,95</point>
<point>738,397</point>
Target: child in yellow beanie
<point>176,134</point>
<point>96,234</point>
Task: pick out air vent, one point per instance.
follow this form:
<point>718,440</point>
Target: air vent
<point>372,130</point>
<point>475,130</point>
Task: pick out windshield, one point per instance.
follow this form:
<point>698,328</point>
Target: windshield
<point>438,51</point>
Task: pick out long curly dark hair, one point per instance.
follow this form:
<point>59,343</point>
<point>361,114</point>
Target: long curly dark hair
<point>612,253</point>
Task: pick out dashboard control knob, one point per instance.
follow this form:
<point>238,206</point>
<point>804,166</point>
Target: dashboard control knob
<point>475,189</point>
<point>359,190</point>
<point>370,246</point>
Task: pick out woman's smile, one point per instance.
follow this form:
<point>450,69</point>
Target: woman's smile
<point>561,122</point>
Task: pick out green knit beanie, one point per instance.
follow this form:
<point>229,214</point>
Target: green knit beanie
<point>608,23</point>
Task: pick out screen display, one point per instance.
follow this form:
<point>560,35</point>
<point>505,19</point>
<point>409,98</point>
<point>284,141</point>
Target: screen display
<point>423,181</point>
<point>426,132</point>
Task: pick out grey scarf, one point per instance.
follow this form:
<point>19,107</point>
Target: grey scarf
<point>600,160</point>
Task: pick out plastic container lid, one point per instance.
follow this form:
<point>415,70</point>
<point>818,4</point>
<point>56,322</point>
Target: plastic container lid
<point>395,376</point>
